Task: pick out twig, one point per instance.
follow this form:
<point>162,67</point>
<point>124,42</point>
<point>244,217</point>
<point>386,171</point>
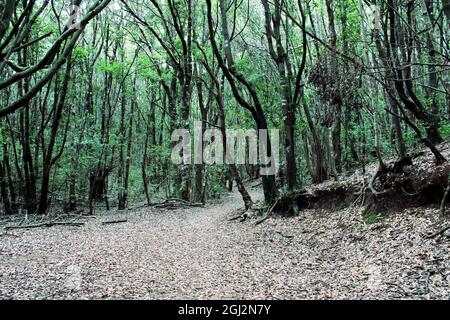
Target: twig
<point>256,185</point>
<point>427,282</point>
<point>140,207</point>
<point>176,204</point>
<point>9,235</point>
<point>46,224</point>
<point>284,235</point>
<point>445,197</point>
<point>114,221</point>
<point>437,233</point>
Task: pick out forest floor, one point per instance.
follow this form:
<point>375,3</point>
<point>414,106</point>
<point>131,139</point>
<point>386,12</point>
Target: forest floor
<point>197,253</point>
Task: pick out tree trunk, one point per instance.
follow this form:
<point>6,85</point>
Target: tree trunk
<point>280,57</point>
<point>200,168</point>
<point>27,157</point>
<point>336,99</point>
<point>121,173</point>
<point>232,74</point>
<point>4,190</point>
<point>389,88</point>
<point>432,77</point>
<point>248,202</point>
<point>49,160</point>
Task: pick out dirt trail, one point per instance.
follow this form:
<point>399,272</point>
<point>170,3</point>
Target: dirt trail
<point>199,254</point>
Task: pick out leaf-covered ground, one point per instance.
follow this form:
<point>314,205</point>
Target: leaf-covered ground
<point>198,254</point>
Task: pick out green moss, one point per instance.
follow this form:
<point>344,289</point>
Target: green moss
<point>371,217</point>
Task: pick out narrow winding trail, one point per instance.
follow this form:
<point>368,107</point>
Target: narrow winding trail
<point>199,254</point>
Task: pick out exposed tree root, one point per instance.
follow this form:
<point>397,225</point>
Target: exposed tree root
<point>244,214</point>
<point>371,183</point>
<point>393,186</point>
<point>241,215</point>
<point>268,214</point>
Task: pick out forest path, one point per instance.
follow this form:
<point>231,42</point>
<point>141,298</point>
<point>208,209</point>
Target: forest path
<point>198,254</point>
